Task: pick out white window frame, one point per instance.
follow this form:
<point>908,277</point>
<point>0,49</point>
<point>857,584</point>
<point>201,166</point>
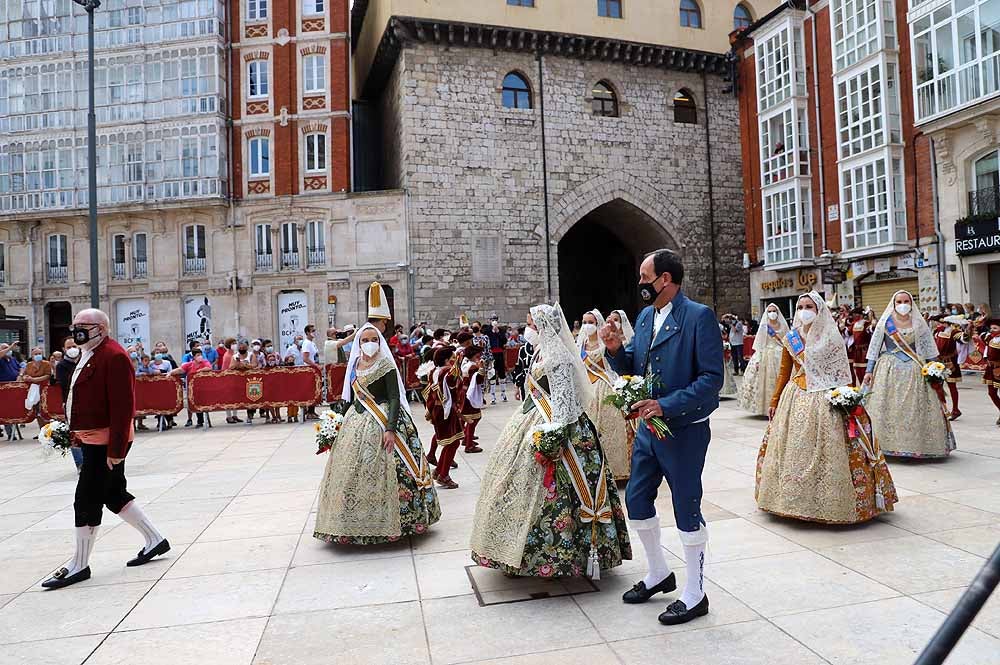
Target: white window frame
<point>314,144</point>
<point>315,236</point>
<point>256,10</point>
<point>857,30</point>
<point>289,237</point>
<point>787,224</point>
<point>793,161</point>
<point>259,157</point>
<point>314,73</point>
<point>872,203</point>
<point>199,234</point>
<point>258,82</point>
<point>62,250</point>
<point>313,7</point>
<point>780,63</point>
<point>262,239</point>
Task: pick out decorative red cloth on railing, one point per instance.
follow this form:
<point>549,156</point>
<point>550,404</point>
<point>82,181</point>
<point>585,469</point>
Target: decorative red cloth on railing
<point>157,395</point>
<point>335,375</point>
<point>510,357</point>
<point>12,396</point>
<point>254,389</point>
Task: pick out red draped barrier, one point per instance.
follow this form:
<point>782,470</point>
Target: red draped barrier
<point>510,357</point>
<point>410,365</point>
<point>335,375</point>
<point>254,389</point>
<point>158,395</point>
<point>12,396</point>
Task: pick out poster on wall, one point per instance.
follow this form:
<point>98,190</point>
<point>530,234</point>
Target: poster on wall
<point>293,315</point>
<point>197,320</point>
<point>132,322</point>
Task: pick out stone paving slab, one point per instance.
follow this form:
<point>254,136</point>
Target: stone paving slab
<point>247,584</point>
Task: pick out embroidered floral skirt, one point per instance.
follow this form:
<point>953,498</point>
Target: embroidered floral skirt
<point>612,431</point>
<point>906,412</point>
<point>368,496</point>
<point>812,466</point>
<point>528,515</point>
<point>759,380</point>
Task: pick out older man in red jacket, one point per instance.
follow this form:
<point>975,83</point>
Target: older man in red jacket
<point>100,409</point>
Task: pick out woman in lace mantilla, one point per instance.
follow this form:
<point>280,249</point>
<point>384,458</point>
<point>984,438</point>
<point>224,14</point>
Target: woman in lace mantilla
<point>762,371</point>
<point>611,426</point>
<point>528,518</point>
<point>907,412</point>
<point>376,487</point>
<point>816,462</point>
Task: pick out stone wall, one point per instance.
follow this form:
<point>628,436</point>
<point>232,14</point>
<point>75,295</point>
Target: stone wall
<point>473,170</point>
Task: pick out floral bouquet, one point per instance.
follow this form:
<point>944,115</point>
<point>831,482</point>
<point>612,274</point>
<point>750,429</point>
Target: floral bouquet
<point>629,390</point>
<point>326,430</point>
<point>548,439</point>
<point>55,436</point>
<point>934,372</point>
<point>845,398</point>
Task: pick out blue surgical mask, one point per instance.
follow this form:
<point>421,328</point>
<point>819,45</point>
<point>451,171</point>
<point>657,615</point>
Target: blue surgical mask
<point>37,357</point>
<point>133,355</point>
<point>158,356</point>
<point>270,349</point>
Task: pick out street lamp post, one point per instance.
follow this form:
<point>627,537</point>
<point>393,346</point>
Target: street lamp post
<point>95,296</point>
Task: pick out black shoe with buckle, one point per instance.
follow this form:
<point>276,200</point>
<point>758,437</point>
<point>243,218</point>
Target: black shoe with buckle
<point>61,578</point>
<point>161,547</point>
<point>677,612</point>
<point>640,594</point>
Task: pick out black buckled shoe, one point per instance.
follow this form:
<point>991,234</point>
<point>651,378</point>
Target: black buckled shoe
<point>61,578</point>
<point>677,612</point>
<point>161,547</point>
<point>640,594</point>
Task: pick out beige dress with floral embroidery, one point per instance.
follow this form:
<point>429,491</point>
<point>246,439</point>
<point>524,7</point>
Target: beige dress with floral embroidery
<point>610,424</point>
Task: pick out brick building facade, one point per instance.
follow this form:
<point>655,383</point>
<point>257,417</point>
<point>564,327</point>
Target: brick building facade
<point>838,182</point>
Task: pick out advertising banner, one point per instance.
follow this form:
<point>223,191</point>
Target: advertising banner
<point>132,322</point>
<point>293,316</point>
<point>197,320</point>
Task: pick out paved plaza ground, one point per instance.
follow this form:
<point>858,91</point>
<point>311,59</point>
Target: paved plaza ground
<point>246,583</point>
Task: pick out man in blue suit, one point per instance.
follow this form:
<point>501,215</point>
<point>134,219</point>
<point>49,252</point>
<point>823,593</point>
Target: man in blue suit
<point>676,340</point>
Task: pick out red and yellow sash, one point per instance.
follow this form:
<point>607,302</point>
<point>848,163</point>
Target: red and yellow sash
<point>539,396</point>
<point>893,332</point>
<point>417,470</point>
<point>596,372</point>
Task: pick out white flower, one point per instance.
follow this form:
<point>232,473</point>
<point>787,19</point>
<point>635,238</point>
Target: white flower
<point>546,428</point>
<point>620,385</point>
<point>637,381</point>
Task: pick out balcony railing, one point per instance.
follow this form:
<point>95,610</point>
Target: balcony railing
<point>265,261</point>
<point>195,266</point>
<point>118,270</point>
<point>984,201</point>
<point>289,260</point>
<point>316,256</point>
<point>139,269</point>
<point>57,274</point>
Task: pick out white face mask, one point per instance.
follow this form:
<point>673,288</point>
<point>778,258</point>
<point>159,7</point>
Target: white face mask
<point>772,316</point>
<point>807,316</point>
<point>588,329</point>
<point>72,353</point>
<point>903,308</point>
<point>531,336</point>
<point>234,348</point>
<point>256,347</point>
<point>370,348</point>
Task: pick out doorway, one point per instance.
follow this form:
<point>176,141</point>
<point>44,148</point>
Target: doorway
<point>58,317</point>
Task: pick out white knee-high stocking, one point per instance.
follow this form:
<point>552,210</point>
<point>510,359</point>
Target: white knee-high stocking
<point>656,562</point>
<point>133,515</point>
<point>694,560</point>
<point>86,536</point>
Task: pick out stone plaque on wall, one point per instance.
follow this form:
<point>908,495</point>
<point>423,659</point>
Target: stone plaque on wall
<point>379,242</point>
<point>487,258</point>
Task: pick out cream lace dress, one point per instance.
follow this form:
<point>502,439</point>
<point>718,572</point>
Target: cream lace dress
<point>610,424</point>
<point>906,412</point>
<point>760,378</point>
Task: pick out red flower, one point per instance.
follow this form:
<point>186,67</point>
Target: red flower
<point>545,571</point>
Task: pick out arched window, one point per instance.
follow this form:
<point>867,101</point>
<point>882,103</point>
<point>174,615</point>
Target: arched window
<point>684,108</point>
<point>742,18</point>
<point>690,14</point>
<point>605,101</point>
<point>516,94</point>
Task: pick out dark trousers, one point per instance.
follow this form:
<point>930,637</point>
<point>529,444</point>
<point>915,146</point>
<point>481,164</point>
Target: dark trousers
<point>680,460</point>
<point>99,486</point>
<point>739,364</point>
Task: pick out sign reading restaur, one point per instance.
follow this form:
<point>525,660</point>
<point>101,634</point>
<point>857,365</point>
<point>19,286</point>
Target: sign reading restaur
<point>980,237</point>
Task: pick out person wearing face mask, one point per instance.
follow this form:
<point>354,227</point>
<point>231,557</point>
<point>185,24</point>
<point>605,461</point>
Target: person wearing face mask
<point>100,407</point>
<point>950,337</point>
<point>442,402</point>
<point>677,340</point>
<point>762,371</point>
<point>244,361</point>
<point>728,378</point>
<point>816,463</point>
<point>196,364</point>
<point>376,487</point>
<point>525,354</point>
<point>497,335</point>
<point>859,336</point>
<point>295,350</point>
<point>620,321</point>
<point>906,410</point>
<point>611,427</point>
<point>231,351</point>
<point>37,373</point>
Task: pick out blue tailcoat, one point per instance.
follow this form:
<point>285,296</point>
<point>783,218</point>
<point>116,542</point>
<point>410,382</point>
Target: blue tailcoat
<point>686,355</point>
